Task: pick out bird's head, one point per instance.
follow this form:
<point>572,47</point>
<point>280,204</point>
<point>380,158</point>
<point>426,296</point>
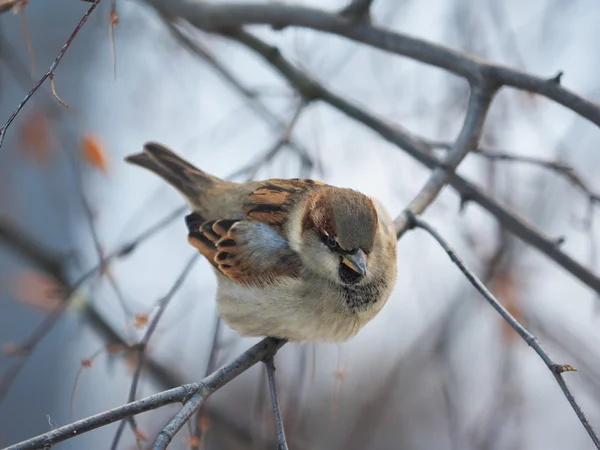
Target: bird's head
<point>337,234</point>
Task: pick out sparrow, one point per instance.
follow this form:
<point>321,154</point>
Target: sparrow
<point>295,259</point>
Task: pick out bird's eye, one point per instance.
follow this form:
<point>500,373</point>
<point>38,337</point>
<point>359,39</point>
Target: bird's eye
<point>331,242</point>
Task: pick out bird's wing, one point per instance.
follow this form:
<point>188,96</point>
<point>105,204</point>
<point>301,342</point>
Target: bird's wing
<point>253,251</point>
<point>272,202</point>
<point>248,252</point>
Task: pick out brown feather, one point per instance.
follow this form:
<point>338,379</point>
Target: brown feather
<point>271,202</point>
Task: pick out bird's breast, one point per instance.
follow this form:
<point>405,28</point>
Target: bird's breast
<point>298,309</point>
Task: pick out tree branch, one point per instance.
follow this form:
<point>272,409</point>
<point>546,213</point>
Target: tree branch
<point>191,395</point>
<point>213,16</point>
<point>479,103</point>
<point>556,369</point>
<point>143,344</point>
<point>261,351</point>
<point>30,249</point>
<point>49,72</point>
<point>312,90</point>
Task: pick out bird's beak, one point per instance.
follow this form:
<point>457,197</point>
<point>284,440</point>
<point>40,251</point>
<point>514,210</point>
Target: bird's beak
<point>357,262</point>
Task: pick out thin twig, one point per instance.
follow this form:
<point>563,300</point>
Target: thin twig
<point>250,95</point>
<point>281,442</point>
<point>357,10</point>
<point>556,369</point>
<point>264,349</point>
<point>559,167</point>
<point>218,16</point>
<point>47,261</point>
<point>143,344</point>
<point>191,394</point>
<point>210,367</point>
<point>394,133</point>
<point>49,72</point>
<point>250,170</point>
<point>479,104</point>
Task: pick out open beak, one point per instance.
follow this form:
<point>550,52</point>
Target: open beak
<point>357,262</point>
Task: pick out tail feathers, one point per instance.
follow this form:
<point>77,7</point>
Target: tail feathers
<point>180,174</point>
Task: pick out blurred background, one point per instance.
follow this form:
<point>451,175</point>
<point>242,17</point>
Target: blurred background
<point>437,368</point>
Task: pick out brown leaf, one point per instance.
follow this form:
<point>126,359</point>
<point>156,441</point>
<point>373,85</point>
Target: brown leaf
<point>140,435</point>
<point>141,320</point>
<point>37,289</point>
<point>340,373</point>
<point>204,423</point>
<point>12,349</point>
<point>36,137</point>
<point>505,287</point>
<point>115,348</point>
<point>114,18</point>
<point>87,363</point>
<point>561,368</point>
<point>192,441</point>
<point>93,152</point>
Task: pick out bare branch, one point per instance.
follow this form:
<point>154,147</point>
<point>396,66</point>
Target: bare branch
<point>281,442</point>
<point>559,167</point>
<point>250,95</point>
<point>192,395</point>
<point>419,150</point>
<point>143,344</point>
<point>11,5</point>
<point>556,369</point>
<point>358,10</point>
<point>250,170</point>
<point>45,260</point>
<point>479,103</point>
<point>264,349</point>
<point>213,16</point>
<point>49,72</point>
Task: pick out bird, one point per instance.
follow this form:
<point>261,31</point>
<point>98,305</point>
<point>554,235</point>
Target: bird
<point>295,259</point>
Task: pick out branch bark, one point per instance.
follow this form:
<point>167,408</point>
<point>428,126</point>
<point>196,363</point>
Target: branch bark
<point>213,16</point>
<point>312,90</point>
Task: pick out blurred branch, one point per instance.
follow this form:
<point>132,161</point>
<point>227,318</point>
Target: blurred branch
<point>191,395</point>
<point>284,139</point>
<point>559,167</point>
<point>31,250</point>
<point>312,90</point>
<point>479,103</point>
<point>217,17</point>
<point>8,5</point>
<point>143,344</point>
<point>43,258</point>
<point>250,95</point>
<point>263,350</point>
<point>49,72</point>
<point>358,10</point>
<point>281,442</point>
<point>556,369</point>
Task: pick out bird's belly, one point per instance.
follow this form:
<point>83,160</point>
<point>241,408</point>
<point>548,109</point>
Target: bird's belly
<point>287,311</point>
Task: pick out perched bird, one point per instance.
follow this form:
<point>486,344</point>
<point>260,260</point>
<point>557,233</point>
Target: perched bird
<point>295,259</point>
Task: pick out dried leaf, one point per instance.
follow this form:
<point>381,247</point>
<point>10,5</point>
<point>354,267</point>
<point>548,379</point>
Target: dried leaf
<point>140,435</point>
<point>87,363</point>
<point>114,18</point>
<point>36,136</point>
<point>192,441</point>
<point>12,349</point>
<point>505,287</point>
<point>204,423</point>
<point>115,348</point>
<point>561,368</point>
<point>141,320</point>
<point>340,373</point>
<point>38,290</point>
<point>94,153</point>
